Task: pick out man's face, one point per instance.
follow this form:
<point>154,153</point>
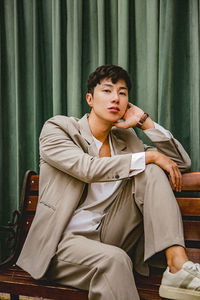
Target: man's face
<point>109,100</point>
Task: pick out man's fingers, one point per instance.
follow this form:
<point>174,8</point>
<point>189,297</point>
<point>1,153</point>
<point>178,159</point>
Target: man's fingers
<point>122,124</point>
<point>172,179</point>
<point>172,169</point>
<point>176,178</point>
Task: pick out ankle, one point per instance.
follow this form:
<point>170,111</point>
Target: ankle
<point>176,257</point>
<point>174,268</point>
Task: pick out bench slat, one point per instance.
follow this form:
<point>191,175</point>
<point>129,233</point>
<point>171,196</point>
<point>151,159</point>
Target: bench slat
<point>34,183</point>
<point>191,230</point>
<point>28,222</point>
<point>31,203</point>
<point>17,281</point>
<point>191,181</point>
<point>189,206</point>
<point>193,254</point>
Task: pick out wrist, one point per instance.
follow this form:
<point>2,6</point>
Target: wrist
<point>150,157</point>
<point>145,122</point>
<point>148,124</point>
<point>142,120</point>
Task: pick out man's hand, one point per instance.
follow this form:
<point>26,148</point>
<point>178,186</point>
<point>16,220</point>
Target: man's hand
<point>132,116</point>
<point>168,165</point>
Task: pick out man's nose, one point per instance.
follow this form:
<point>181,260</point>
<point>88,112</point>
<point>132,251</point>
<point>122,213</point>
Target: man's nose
<point>115,98</point>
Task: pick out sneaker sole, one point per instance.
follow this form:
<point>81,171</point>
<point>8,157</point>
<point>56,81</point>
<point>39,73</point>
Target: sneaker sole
<point>178,293</point>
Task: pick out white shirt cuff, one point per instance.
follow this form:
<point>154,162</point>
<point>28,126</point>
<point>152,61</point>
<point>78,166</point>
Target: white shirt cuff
<point>137,163</point>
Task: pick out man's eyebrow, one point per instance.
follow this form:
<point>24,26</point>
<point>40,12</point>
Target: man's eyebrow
<point>111,85</point>
<point>123,88</point>
<point>107,84</point>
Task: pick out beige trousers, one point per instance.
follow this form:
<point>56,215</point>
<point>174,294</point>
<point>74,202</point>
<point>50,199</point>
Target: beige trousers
<point>99,261</point>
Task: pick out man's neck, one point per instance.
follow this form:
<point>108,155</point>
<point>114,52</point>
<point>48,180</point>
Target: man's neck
<point>99,129</point>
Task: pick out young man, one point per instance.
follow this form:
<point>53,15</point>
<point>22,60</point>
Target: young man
<point>101,191</point>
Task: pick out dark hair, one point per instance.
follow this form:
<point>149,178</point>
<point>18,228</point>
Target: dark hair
<point>112,72</point>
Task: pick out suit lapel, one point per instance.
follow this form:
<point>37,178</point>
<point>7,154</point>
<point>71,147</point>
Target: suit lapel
<point>87,135</point>
<point>124,143</point>
<point>119,145</point>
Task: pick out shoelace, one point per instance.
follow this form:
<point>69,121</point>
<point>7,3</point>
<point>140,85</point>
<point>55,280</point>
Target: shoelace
<point>195,267</point>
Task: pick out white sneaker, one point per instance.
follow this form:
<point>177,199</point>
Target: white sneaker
<point>183,285</point>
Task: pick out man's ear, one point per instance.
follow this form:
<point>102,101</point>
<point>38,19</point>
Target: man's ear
<point>89,99</point>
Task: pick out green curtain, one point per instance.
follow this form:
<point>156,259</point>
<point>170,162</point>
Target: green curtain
<point>49,47</point>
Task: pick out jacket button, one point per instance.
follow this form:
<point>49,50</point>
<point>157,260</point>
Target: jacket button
<point>117,176</point>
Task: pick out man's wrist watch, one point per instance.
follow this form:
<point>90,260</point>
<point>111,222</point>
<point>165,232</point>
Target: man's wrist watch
<point>142,120</point>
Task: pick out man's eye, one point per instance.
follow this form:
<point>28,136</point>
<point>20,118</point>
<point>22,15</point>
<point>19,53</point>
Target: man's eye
<point>106,91</point>
<point>123,93</point>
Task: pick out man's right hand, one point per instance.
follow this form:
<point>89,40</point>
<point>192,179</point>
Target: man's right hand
<point>132,116</point>
<point>166,164</point>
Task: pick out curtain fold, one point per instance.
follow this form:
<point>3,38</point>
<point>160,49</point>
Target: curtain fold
<point>49,47</point>
<point>194,81</point>
<point>147,47</point>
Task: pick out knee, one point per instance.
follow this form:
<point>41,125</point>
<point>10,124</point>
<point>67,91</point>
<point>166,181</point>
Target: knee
<point>154,170</point>
<point>118,258</point>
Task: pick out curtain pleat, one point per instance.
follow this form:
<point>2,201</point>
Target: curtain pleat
<point>101,32</point>
<point>147,47</point>
<point>56,58</point>
<point>194,82</point>
<point>48,48</point>
<point>123,33</point>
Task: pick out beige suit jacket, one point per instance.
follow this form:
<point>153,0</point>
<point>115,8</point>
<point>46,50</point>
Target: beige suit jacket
<point>69,160</point>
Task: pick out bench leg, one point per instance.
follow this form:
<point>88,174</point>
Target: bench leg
<point>14,297</point>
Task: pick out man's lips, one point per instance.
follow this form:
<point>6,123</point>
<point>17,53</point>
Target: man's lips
<point>114,109</point>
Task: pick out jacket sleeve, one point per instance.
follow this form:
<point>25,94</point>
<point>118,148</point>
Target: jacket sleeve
<point>171,148</point>
<point>59,150</point>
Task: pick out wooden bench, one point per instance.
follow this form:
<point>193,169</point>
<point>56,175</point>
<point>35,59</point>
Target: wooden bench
<point>15,281</point>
